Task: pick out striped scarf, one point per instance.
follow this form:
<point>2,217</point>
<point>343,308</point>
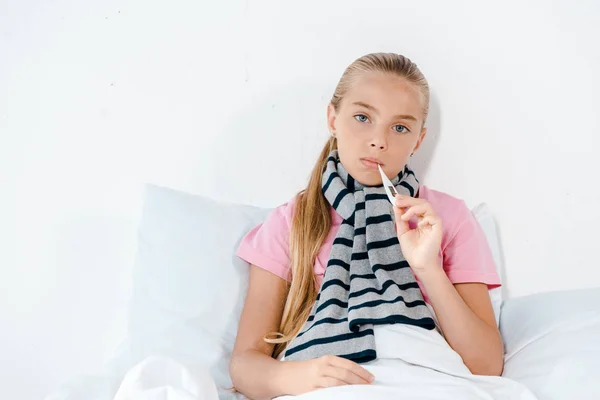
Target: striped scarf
<point>367,280</point>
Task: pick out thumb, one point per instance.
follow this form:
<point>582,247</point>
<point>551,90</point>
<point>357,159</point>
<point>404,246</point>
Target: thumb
<point>401,226</point>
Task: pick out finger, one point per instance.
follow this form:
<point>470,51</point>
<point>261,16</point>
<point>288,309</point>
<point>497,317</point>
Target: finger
<point>354,368</point>
<point>407,201</point>
<point>345,375</point>
<point>351,366</point>
<point>430,220</point>
<point>419,210</point>
<point>401,224</point>
<point>328,381</point>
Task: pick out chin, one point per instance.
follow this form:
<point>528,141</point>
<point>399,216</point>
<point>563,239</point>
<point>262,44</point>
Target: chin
<point>369,178</point>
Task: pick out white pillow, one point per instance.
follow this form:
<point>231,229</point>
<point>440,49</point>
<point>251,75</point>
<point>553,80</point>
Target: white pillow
<point>484,216</point>
<point>552,343</point>
<point>189,287</point>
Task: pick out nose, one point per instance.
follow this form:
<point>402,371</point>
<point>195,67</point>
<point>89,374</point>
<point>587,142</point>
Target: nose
<point>379,141</point>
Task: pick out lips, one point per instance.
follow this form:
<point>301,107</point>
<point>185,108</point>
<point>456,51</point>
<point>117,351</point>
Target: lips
<point>373,159</point>
<point>370,163</point>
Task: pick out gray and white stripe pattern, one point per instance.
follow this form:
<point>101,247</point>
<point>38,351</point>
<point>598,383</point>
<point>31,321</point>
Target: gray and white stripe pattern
<point>367,280</point>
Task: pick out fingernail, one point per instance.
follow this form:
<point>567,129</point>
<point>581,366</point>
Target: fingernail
<point>371,378</point>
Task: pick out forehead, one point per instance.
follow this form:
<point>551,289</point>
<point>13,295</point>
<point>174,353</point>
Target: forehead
<point>388,93</point>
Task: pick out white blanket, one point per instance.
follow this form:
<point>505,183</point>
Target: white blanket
<point>413,363</point>
<point>160,378</point>
<point>418,364</point>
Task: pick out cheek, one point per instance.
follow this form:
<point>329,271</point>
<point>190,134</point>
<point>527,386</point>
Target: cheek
<point>352,129</point>
<point>405,141</point>
<point>400,147</point>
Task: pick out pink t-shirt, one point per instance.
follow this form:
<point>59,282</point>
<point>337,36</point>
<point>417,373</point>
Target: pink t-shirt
<point>464,252</point>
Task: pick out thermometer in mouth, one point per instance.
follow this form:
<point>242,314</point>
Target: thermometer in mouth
<point>390,190</point>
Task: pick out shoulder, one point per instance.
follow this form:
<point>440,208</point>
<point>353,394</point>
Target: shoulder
<point>466,254</point>
<point>452,210</point>
<point>267,244</point>
<point>284,213</point>
<point>443,203</point>
<point>440,199</point>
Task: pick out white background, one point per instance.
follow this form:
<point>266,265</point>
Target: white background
<point>227,99</point>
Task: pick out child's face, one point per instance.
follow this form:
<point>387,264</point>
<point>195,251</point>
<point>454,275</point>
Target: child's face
<point>380,116</point>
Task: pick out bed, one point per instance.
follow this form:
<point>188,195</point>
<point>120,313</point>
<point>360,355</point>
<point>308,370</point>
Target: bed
<point>189,288</point>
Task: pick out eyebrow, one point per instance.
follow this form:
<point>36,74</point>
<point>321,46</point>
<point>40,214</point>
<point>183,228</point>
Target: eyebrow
<point>369,107</point>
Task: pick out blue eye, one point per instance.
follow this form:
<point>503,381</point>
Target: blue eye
<point>361,118</point>
<point>402,129</point>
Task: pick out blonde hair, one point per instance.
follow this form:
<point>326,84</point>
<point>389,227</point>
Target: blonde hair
<point>312,221</point>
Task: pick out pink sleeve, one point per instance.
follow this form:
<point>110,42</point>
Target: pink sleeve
<point>467,256</point>
<point>266,245</point>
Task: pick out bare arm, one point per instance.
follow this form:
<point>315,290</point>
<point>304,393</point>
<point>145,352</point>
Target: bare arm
<point>464,311</point>
<point>467,319</point>
<point>259,376</point>
<point>253,370</point>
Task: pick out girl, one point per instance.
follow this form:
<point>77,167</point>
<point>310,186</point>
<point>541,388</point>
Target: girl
<point>333,267</point>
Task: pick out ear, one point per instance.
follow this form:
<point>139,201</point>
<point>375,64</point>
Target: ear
<point>421,137</point>
<point>331,115</point>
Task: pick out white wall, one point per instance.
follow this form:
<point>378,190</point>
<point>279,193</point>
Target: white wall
<point>228,99</point>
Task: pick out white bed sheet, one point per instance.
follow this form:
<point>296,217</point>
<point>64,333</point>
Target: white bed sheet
<point>552,343</point>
